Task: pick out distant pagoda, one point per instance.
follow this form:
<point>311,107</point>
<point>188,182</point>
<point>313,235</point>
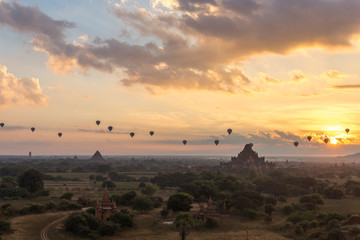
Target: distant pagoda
<point>97,157</point>
<point>248,158</point>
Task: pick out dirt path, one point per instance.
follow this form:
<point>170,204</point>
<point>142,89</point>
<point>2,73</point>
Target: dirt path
<point>45,230</point>
<point>28,227</point>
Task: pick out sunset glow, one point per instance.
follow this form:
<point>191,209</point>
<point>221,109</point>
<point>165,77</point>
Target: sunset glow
<point>184,69</point>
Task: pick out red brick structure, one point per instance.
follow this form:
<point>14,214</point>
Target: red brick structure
<point>105,208</point>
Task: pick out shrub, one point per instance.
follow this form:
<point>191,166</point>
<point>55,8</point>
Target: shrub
<point>4,225</point>
<point>301,216</point>
<point>67,195</point>
<point>82,224</point>
<point>268,218</point>
<point>142,203</point>
<point>50,205</point>
<point>299,229</point>
<point>335,234</point>
<point>211,223</point>
<point>106,228</point>
<point>164,212</point>
<point>305,224</point>
<point>269,208</point>
<point>67,205</point>
<point>250,213</point>
<point>314,224</point>
<point>271,200</point>
<point>287,209</point>
<point>109,184</point>
<point>332,224</point>
<point>313,198</point>
<point>326,218</point>
<point>149,189</point>
<point>90,211</point>
<point>282,199</point>
<point>125,220</point>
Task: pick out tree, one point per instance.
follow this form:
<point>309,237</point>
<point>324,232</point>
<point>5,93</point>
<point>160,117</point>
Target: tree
<point>31,180</point>
<point>180,202</point>
<point>109,184</point>
<point>5,225</point>
<point>142,203</point>
<point>184,221</point>
<point>67,195</point>
<point>125,220</point>
<point>269,208</point>
<point>149,189</point>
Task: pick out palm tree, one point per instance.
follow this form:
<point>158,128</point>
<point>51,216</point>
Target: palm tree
<point>185,221</point>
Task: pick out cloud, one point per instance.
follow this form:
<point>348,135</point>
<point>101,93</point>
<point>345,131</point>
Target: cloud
<point>15,90</point>
<point>298,77</point>
<point>102,131</point>
<point>195,39</point>
<point>268,79</point>
<point>347,86</point>
<point>334,74</point>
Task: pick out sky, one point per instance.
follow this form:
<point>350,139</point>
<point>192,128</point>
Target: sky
<point>274,71</point>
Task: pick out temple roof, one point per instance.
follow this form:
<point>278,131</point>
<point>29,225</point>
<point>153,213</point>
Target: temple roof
<point>248,154</point>
<point>97,157</point>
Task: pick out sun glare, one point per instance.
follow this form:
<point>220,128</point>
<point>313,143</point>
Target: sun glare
<point>333,140</point>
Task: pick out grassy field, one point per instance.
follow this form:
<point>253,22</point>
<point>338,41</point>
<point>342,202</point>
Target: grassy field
<point>29,227</point>
<point>150,227</point>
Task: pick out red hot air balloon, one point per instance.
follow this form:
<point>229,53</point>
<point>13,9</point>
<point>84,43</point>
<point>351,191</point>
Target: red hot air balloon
<point>59,134</point>
<point>184,142</point>
<point>98,122</point>
<point>216,142</point>
<point>151,133</point>
<point>347,130</point>
<point>229,131</point>
<point>132,134</point>
<point>326,140</point>
<point>309,138</point>
<point>32,129</point>
<point>296,144</point>
<point>110,128</point>
<point>2,124</point>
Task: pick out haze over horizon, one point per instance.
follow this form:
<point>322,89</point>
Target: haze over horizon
<point>273,71</point>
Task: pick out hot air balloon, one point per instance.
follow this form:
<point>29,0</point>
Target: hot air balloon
<point>132,134</point>
<point>296,144</point>
<point>326,140</point>
<point>184,142</point>
<point>110,128</point>
<point>151,133</point>
<point>59,134</point>
<point>216,142</point>
<point>347,130</point>
<point>309,138</point>
<point>32,129</point>
<point>229,131</point>
<point>2,124</point>
<point>98,122</point>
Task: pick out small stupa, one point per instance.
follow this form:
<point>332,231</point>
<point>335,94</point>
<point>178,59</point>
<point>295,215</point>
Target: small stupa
<point>97,157</point>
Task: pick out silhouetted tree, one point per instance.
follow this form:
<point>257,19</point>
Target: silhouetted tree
<point>31,180</point>
<point>180,202</point>
<point>184,221</point>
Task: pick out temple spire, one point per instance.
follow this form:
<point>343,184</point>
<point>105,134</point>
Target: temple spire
<point>106,195</point>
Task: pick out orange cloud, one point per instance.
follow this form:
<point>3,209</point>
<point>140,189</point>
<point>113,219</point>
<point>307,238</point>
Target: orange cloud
<point>14,90</point>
